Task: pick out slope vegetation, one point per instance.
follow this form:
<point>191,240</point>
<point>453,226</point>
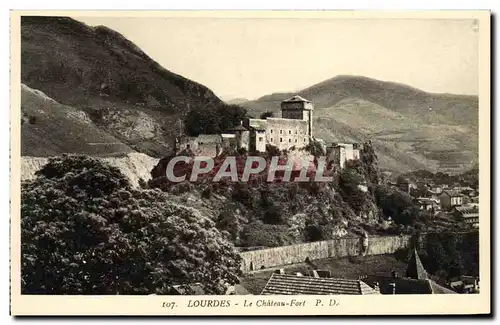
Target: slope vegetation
<point>97,70</point>
<point>410,128</point>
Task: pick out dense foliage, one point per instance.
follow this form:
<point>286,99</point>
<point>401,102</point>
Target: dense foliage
<point>448,254</point>
<point>468,178</point>
<point>265,115</point>
<point>84,230</point>
<point>213,119</point>
<point>262,213</point>
<point>315,148</point>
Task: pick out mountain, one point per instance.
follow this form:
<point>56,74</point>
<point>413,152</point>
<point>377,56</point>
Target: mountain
<point>236,101</point>
<point>95,71</point>
<point>411,129</point>
<point>49,128</point>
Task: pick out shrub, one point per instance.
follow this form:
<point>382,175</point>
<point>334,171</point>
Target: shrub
<point>260,234</point>
<point>85,231</point>
<point>265,115</point>
<point>349,180</point>
<point>213,119</point>
<point>272,150</point>
<point>315,148</point>
<point>207,192</point>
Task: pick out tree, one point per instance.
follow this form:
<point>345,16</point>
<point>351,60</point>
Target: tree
<point>349,179</point>
<point>213,119</point>
<point>265,115</point>
<point>397,204</point>
<point>369,160</point>
<point>233,221</point>
<point>84,230</point>
<point>315,148</point>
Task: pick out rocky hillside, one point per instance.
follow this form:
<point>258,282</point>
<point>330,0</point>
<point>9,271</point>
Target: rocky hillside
<point>135,166</point>
<point>49,128</point>
<point>101,74</point>
<point>411,129</point>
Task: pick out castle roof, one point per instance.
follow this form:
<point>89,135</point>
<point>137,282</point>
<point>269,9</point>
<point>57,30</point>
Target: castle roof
<point>289,284</point>
<point>415,268</point>
<point>296,99</point>
<point>238,128</point>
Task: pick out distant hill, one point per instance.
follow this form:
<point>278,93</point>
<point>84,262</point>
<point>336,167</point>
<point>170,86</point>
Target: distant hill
<point>237,101</point>
<point>411,129</point>
<point>98,71</point>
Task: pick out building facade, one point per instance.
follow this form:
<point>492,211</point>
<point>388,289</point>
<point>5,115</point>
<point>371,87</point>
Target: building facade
<point>449,199</point>
<point>340,153</point>
<point>294,129</point>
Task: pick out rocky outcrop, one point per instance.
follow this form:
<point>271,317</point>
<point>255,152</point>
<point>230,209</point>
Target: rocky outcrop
<point>134,166</point>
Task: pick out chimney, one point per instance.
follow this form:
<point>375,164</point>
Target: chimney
<point>315,274</point>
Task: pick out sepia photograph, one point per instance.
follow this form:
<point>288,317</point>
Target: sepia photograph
<point>250,161</point>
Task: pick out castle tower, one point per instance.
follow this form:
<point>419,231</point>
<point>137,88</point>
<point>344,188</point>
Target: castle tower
<point>300,109</point>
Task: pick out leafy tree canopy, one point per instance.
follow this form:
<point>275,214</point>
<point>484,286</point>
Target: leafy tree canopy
<point>213,119</point>
<point>265,115</point>
<point>84,230</point>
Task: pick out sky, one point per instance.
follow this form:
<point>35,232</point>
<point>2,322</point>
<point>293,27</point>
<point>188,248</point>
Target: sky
<point>249,58</point>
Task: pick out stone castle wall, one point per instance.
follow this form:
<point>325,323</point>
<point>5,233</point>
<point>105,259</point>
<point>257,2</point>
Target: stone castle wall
<point>284,133</point>
<point>341,247</point>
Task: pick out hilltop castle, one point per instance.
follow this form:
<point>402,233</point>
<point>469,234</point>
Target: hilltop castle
<point>293,130</point>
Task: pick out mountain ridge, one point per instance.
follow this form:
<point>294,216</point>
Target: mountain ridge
<point>99,75</point>
<point>430,130</point>
<point>98,71</point>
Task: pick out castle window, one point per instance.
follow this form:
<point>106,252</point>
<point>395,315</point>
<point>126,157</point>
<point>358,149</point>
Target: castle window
<point>295,140</point>
<point>289,131</point>
<point>272,139</point>
<point>260,139</point>
<point>304,139</point>
<point>289,140</point>
<point>295,131</point>
<point>281,139</point>
<point>281,131</point>
<point>271,130</point>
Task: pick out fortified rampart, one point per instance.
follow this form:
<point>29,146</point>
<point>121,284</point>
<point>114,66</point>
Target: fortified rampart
<point>336,248</point>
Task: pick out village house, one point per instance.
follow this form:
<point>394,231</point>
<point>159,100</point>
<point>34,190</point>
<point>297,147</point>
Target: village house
<point>450,198</point>
<point>435,189</point>
<point>465,284</point>
<point>468,213</point>
<point>428,204</point>
<point>405,185</point>
<point>298,284</point>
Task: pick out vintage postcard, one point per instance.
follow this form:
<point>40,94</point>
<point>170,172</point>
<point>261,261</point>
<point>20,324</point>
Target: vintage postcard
<point>250,162</point>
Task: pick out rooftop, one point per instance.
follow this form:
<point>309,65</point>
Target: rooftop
<point>407,286</point>
<point>296,99</point>
<point>415,268</point>
<point>453,193</point>
<point>469,208</point>
<point>288,284</point>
